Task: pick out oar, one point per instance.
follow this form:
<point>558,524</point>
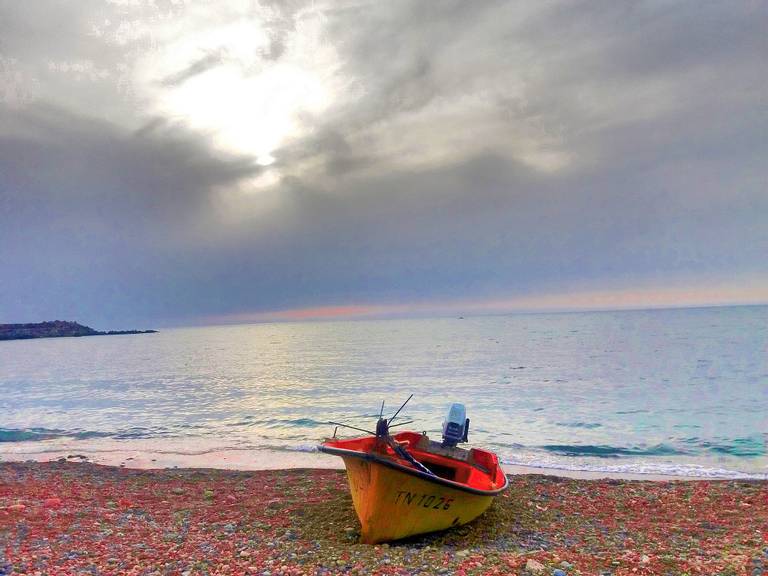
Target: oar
<point>407,456</point>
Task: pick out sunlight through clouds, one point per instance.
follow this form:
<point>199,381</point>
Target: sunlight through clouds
<point>234,77</point>
<point>302,154</point>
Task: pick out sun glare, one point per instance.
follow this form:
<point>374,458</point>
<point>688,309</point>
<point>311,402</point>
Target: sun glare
<point>251,115</point>
<point>221,80</point>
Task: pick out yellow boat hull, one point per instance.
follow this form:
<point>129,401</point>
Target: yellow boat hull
<point>392,505</point>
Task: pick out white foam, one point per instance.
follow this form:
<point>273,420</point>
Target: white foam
<point>214,453</point>
<point>633,467</point>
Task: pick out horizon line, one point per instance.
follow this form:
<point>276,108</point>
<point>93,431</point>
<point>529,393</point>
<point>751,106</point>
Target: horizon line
<point>588,301</point>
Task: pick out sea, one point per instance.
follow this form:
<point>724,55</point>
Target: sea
<point>666,391</point>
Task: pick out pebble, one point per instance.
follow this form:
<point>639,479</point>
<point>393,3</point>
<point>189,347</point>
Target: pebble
<point>227,534</point>
<point>534,566</point>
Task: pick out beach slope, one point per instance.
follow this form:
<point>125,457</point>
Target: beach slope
<point>74,518</point>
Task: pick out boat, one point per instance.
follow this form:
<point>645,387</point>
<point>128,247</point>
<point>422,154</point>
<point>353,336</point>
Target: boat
<point>405,484</point>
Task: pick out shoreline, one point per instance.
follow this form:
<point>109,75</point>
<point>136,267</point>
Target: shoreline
<point>250,459</point>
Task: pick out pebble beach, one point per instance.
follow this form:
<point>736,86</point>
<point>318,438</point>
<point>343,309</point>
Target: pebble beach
<point>68,518</point>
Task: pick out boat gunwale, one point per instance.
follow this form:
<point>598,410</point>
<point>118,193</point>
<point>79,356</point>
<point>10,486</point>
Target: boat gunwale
<point>413,472</point>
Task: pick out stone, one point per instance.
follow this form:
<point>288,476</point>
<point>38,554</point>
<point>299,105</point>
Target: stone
<point>535,567</point>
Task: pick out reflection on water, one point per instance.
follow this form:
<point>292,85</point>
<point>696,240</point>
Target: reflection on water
<point>667,389</point>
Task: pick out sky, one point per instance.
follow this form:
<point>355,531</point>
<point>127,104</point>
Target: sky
<point>166,162</point>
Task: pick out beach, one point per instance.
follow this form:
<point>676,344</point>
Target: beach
<point>69,517</point>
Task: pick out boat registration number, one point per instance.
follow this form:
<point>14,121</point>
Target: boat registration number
<point>432,501</point>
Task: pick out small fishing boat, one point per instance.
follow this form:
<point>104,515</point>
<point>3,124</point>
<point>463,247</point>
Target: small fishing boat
<point>405,484</point>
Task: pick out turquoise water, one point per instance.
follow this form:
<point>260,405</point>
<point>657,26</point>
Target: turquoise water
<point>675,391</point>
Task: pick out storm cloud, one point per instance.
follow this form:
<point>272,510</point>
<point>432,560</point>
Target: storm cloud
<point>163,162</point>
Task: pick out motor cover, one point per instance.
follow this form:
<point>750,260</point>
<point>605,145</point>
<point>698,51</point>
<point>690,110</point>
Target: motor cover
<point>456,425</point>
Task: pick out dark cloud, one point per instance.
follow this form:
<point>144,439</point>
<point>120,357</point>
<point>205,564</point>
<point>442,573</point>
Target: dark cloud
<point>194,69</point>
<point>472,150</point>
<point>93,216</point>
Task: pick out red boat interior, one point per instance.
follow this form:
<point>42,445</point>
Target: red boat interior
<point>480,470</point>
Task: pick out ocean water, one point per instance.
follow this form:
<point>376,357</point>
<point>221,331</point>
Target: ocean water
<point>680,391</point>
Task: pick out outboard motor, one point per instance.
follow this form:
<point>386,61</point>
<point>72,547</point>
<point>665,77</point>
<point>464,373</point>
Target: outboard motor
<point>455,426</point>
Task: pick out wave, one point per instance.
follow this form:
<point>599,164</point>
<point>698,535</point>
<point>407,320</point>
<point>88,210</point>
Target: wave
<point>295,422</point>
<point>604,451</point>
<point>40,434</point>
<point>747,447</point>
<point>540,459</point>
<point>636,467</point>
<point>692,457</point>
<point>585,425</point>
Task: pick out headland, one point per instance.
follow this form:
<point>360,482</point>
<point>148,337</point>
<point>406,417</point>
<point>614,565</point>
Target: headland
<point>57,329</point>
